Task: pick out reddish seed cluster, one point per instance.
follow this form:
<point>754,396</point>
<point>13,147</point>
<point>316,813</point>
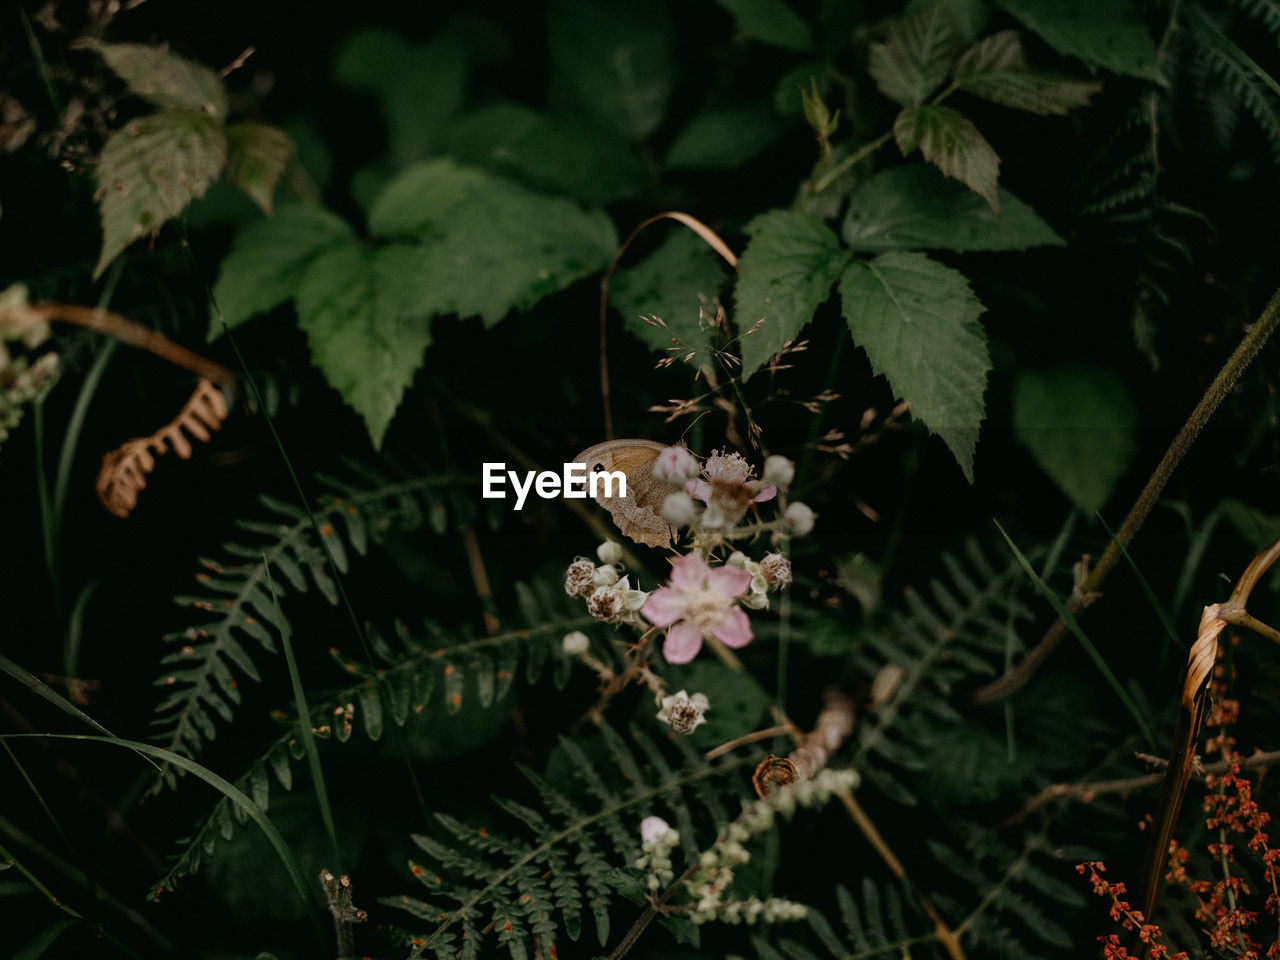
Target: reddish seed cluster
<point>1233,818</point>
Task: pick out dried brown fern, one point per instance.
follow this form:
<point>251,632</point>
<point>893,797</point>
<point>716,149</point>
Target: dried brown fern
<point>124,470</point>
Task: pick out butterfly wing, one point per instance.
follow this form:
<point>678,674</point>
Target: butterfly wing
<point>639,514</point>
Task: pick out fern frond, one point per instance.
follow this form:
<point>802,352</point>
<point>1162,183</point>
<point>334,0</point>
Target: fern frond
<point>1242,77</point>
<point>570,855</point>
<point>404,686</point>
<point>123,474</point>
<point>235,595</point>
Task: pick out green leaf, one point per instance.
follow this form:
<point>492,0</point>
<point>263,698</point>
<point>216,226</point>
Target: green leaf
<point>1102,33</point>
<point>164,78</point>
<point>488,245</point>
<point>724,137</point>
<point>559,156</point>
<point>915,55</point>
<point>670,284</point>
<point>267,261</point>
<point>1080,426</point>
<point>366,332</point>
<point>149,170</point>
<point>952,144</point>
<point>996,70</point>
<point>968,17</point>
<point>918,322</point>
<point>612,60</point>
<point>785,274</point>
<point>257,154</point>
<point>914,206</point>
<point>420,88</point>
<point>771,22</point>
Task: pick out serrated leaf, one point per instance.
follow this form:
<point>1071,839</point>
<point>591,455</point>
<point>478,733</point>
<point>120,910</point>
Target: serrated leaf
<point>166,79</point>
<point>914,206</point>
<point>257,154</point>
<point>724,137</point>
<point>995,69</point>
<point>949,141</point>
<point>785,274</point>
<point>148,172</point>
<point>364,331</point>
<point>560,156</point>
<point>918,322</point>
<point>1080,426</point>
<point>968,17</point>
<point>771,22</point>
<point>268,258</point>
<point>915,55</point>
<point>487,245</point>
<point>1102,33</point>
<point>669,284</point>
<point>612,60</point>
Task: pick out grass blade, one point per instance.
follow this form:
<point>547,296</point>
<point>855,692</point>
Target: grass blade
<point>1074,627</point>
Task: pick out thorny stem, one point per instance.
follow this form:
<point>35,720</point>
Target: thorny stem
<point>1209,402</point>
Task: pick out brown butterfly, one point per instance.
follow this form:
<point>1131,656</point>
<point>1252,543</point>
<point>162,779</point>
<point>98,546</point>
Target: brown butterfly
<point>639,514</point>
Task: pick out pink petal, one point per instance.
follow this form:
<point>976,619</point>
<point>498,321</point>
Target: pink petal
<point>698,489</point>
<point>728,581</point>
<point>733,630</point>
<point>765,493</point>
<point>683,642</point>
<point>664,607</point>
<point>688,572</point>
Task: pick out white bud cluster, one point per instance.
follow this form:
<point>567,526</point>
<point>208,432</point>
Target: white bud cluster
<point>658,839</point>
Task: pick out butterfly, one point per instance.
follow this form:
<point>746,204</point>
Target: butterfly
<point>639,514</point>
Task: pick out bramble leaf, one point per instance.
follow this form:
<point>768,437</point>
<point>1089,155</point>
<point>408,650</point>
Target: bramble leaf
<point>995,69</point>
<point>785,274</point>
<point>613,61</point>
<point>1102,33</point>
<point>724,137</point>
<point>487,245</point>
<point>918,322</point>
<point>953,144</point>
<point>1080,426</point>
<point>915,207</point>
<point>267,261</point>
<point>164,78</point>
<point>667,283</point>
<point>257,154</point>
<point>771,22</point>
<point>366,329</point>
<point>148,172</point>
<point>914,58</point>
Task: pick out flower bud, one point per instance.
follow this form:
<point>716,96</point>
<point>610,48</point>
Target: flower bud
<point>609,552</point>
<point>799,519</point>
<point>675,465</point>
<point>653,829</point>
<point>604,576</point>
<point>679,509</point>
<point>575,644</point>
<point>778,471</point>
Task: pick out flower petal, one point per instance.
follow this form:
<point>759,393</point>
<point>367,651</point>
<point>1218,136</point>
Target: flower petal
<point>765,493</point>
<point>733,630</point>
<point>729,581</point>
<point>664,607</point>
<point>688,572</point>
<point>683,642</point>
<point>698,489</point>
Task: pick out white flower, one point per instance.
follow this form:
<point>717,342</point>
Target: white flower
<point>654,830</point>
<point>683,712</point>
<point>575,644</point>
<point>799,519</point>
<point>778,471</point>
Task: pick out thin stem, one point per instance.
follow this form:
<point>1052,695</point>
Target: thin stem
<point>849,162</point>
<point>1209,402</point>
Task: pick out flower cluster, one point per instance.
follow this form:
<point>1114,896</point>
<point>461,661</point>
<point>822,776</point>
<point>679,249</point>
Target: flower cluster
<point>22,379</point>
<point>1126,916</point>
<point>606,589</point>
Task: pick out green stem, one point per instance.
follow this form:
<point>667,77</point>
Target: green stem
<point>1209,402</point>
<point>849,162</point>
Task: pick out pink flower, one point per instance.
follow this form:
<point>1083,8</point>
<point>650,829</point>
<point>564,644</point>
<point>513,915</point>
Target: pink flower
<point>700,602</point>
<point>729,485</point>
